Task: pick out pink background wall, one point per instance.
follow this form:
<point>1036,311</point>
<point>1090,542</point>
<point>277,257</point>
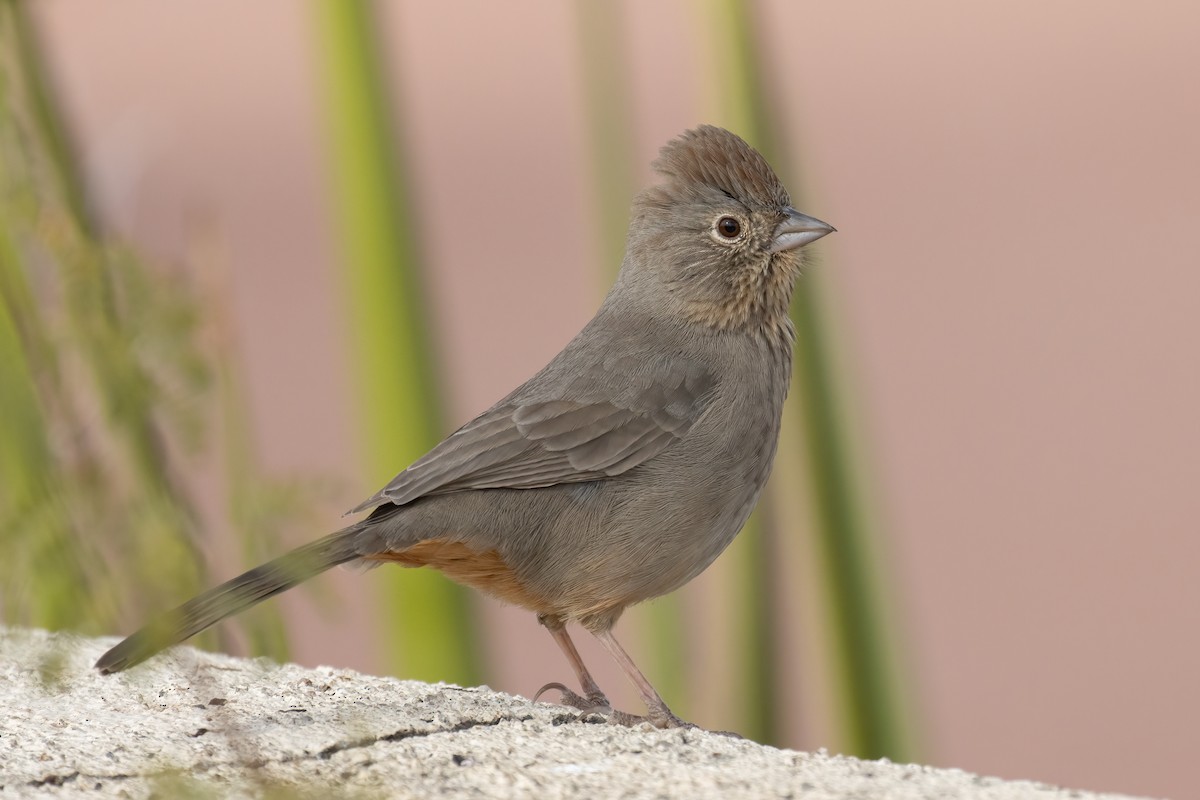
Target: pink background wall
<point>1017,189</point>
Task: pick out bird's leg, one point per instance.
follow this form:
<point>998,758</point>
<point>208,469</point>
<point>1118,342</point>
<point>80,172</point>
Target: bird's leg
<point>658,713</point>
<point>593,699</point>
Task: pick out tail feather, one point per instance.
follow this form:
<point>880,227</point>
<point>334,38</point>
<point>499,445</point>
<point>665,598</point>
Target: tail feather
<point>229,598</point>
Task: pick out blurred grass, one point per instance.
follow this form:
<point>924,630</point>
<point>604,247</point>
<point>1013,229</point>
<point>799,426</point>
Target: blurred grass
<point>871,708</point>
<point>103,382</point>
<point>427,625</point>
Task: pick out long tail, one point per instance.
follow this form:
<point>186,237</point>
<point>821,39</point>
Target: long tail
<point>231,597</point>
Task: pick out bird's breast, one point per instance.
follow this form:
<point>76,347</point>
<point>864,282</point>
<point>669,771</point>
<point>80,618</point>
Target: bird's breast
<point>685,507</point>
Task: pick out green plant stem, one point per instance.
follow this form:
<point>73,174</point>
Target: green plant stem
<point>430,636</point>
<point>871,703</point>
<point>606,87</point>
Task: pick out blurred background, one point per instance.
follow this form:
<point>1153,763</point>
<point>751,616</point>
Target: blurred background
<point>256,257</point>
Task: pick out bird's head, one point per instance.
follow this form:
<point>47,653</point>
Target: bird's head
<point>719,234</point>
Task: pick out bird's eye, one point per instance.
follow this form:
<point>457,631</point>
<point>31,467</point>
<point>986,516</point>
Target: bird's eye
<point>729,227</point>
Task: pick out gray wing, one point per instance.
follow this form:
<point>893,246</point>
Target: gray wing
<point>530,443</point>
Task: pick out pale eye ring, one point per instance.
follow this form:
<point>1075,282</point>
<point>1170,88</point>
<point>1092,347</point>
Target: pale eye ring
<point>728,228</point>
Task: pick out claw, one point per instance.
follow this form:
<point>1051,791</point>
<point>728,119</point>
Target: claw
<point>556,687</point>
<point>597,704</point>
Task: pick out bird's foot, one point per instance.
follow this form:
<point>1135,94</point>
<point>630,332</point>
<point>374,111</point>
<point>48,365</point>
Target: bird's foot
<point>597,703</point>
<point>664,718</point>
<point>594,703</point>
<point>661,721</point>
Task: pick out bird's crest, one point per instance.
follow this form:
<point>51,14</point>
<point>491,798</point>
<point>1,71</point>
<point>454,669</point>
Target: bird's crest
<point>714,157</point>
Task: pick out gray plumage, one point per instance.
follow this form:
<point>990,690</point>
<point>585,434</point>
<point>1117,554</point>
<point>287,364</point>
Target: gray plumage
<point>626,465</point>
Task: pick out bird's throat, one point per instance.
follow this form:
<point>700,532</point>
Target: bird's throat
<point>757,302</point>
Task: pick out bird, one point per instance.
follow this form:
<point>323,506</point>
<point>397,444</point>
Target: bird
<point>624,467</point>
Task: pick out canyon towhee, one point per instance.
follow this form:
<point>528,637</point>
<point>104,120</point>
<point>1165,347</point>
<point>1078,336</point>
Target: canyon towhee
<point>623,468</point>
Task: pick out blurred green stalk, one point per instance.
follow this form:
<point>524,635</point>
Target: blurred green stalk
<point>606,84</point>
<point>752,563</point>
<point>871,702</point>
<point>430,633</point>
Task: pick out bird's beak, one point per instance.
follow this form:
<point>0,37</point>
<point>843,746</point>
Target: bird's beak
<point>797,230</point>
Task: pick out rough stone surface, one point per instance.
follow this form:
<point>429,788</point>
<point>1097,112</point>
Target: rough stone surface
<point>193,724</point>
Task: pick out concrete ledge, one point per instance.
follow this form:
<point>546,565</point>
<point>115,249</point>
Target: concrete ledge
<point>199,725</point>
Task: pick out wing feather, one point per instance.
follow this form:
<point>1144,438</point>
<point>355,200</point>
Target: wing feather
<point>526,444</point>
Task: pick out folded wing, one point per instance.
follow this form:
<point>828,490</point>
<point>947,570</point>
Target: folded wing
<point>531,443</point>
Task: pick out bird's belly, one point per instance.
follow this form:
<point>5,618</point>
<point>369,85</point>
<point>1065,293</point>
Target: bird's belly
<point>657,538</point>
